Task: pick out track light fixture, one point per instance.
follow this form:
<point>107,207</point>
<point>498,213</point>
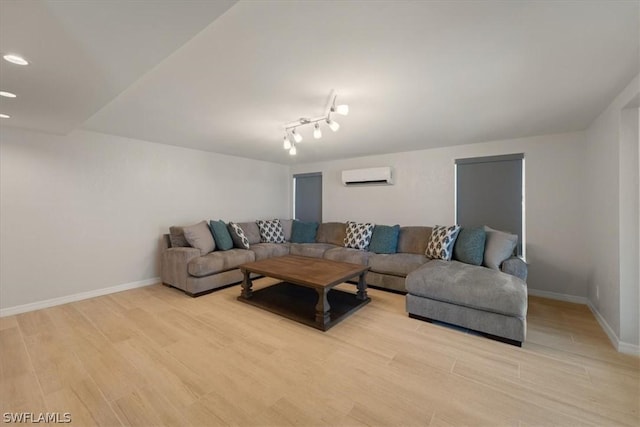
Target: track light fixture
<point>290,128</point>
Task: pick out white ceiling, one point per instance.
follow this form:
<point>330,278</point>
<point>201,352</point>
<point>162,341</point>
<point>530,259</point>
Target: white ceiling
<point>84,53</point>
<point>226,79</point>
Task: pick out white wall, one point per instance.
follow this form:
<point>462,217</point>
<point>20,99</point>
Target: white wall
<point>424,195</point>
<point>85,211</point>
<point>613,181</point>
<point>629,230</point>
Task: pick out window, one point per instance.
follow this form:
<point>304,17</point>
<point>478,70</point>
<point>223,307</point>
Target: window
<point>490,191</point>
<point>307,197</point>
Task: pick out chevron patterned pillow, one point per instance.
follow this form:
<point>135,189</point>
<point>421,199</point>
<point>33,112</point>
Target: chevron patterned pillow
<point>441,243</point>
<point>271,231</point>
<point>358,235</point>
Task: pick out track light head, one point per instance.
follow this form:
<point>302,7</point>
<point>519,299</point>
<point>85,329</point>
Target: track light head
<point>333,125</point>
<point>293,151</point>
<point>341,109</point>
<point>296,136</point>
<point>287,143</point>
<point>317,133</point>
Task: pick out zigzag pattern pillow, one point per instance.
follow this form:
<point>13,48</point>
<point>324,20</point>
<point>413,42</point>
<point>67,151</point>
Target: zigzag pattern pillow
<point>238,236</point>
<point>271,231</point>
<point>358,235</point>
<point>441,243</point>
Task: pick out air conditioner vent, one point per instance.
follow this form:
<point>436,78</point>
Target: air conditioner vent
<point>371,176</point>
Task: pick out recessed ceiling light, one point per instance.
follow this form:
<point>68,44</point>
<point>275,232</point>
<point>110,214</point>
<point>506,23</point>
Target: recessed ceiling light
<point>4,116</point>
<point>7,94</point>
<point>15,59</point>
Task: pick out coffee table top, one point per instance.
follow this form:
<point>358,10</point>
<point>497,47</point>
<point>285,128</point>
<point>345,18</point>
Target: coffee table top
<point>312,272</point>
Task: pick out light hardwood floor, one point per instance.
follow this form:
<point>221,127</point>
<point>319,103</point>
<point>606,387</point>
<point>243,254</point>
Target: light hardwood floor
<point>153,356</point>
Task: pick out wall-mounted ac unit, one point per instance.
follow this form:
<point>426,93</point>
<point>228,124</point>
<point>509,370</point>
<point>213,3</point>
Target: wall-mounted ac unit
<point>371,176</point>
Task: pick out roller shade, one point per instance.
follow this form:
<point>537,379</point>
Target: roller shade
<point>489,192</point>
<point>308,197</point>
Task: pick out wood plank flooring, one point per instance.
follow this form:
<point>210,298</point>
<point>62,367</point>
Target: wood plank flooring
<point>154,356</point>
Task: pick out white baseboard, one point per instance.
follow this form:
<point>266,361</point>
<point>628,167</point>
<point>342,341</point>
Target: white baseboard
<point>557,296</point>
<point>10,311</point>
<point>621,346</point>
<point>605,326</point>
<point>625,347</point>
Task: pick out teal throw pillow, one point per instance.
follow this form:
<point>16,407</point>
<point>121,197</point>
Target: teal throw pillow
<point>303,232</point>
<point>385,239</point>
<point>469,246</point>
<point>221,235</point>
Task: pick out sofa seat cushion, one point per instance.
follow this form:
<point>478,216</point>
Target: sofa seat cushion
<point>216,262</point>
<point>396,264</point>
<point>270,250</point>
<point>314,250</point>
<point>353,256</point>
<point>471,286</point>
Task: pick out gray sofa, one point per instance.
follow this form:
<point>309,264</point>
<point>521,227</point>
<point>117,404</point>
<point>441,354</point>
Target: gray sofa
<point>475,297</point>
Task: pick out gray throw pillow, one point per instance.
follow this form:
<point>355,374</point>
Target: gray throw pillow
<point>469,247</point>
<point>176,236</point>
<point>237,235</point>
<point>199,236</point>
<point>499,247</point>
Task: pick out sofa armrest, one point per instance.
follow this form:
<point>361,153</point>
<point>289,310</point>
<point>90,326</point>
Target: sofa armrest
<point>516,267</point>
<point>174,266</point>
<point>165,243</point>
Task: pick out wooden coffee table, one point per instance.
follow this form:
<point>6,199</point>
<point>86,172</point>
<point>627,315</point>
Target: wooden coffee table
<point>306,292</point>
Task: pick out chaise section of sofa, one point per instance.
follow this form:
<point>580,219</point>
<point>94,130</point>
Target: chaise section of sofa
<point>474,297</point>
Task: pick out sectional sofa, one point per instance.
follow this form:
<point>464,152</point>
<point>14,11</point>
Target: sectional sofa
<point>487,300</point>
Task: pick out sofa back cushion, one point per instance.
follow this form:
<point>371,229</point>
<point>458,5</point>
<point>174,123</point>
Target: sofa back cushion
<point>413,240</point>
<point>286,228</point>
<point>303,232</point>
<point>332,232</point>
<point>199,236</point>
<point>176,237</point>
<point>251,230</point>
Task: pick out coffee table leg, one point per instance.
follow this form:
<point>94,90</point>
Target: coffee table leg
<point>362,288</point>
<point>322,308</point>
<point>246,285</point>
